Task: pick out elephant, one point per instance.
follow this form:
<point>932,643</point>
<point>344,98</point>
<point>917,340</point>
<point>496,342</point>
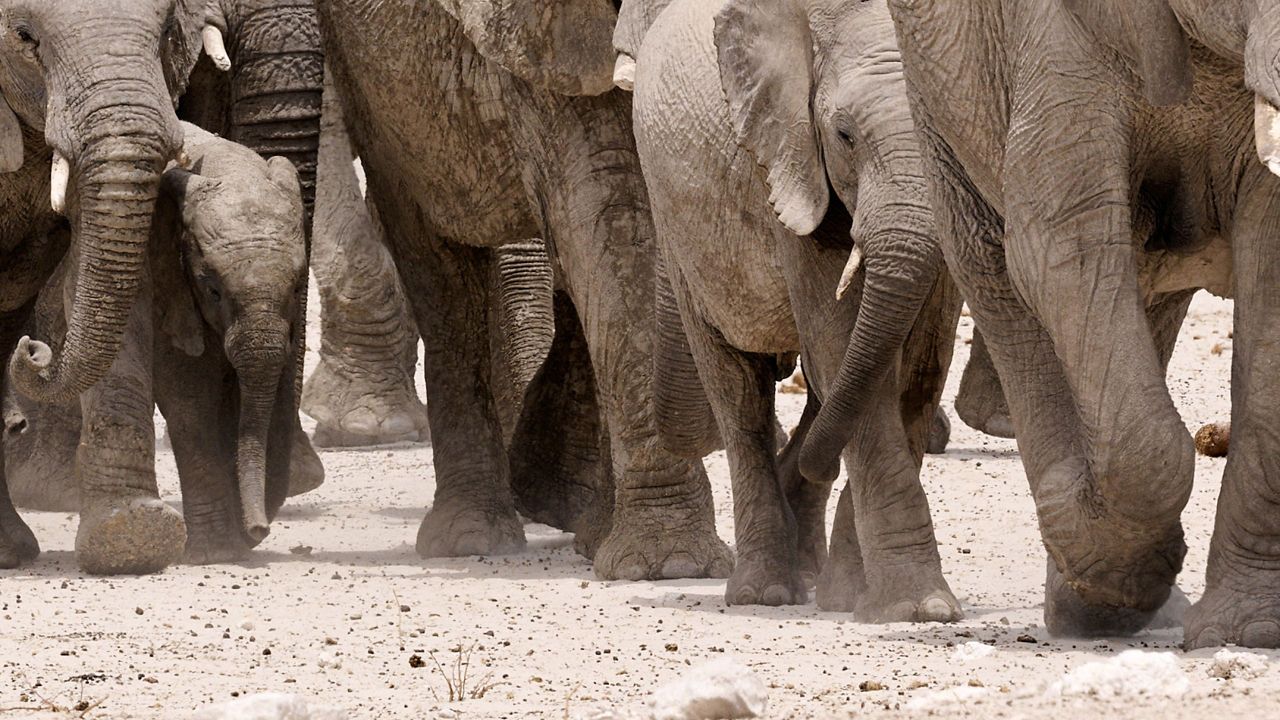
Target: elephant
<point>1093,163</point>
<point>262,34</point>
<point>84,136</point>
<point>481,124</point>
<point>760,263</point>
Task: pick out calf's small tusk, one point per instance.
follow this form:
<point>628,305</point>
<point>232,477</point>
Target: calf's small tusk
<point>624,72</point>
<point>59,176</point>
<point>215,47</point>
<point>850,269</point>
<point>1266,133</point>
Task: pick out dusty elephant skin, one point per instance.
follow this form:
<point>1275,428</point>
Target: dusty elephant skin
<point>259,38</point>
<point>1045,184</point>
<point>464,155</point>
<point>86,133</point>
<point>750,288</point>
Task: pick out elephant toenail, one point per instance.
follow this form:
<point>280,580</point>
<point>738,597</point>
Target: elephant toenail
<point>1211,636</point>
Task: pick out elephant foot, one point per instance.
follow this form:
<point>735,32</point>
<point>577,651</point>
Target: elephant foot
<point>984,415</point>
<point>129,536</point>
<point>306,472</point>
<point>595,523</point>
<point>212,542</point>
<point>454,529</point>
<point>357,410</point>
<point>1067,615</point>
<point>935,606</point>
<point>939,433</point>
<point>662,551</point>
<point>762,579</point>
<point>18,544</point>
<point>1236,617</point>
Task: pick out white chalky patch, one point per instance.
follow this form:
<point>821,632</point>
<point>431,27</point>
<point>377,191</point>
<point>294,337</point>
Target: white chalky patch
<point>947,696</point>
<point>719,689</point>
<point>270,706</point>
<point>972,651</point>
<point>1242,665</point>
<point>1131,673</point>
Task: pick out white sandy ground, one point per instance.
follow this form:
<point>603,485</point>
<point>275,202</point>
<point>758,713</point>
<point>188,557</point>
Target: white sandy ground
<point>341,625</point>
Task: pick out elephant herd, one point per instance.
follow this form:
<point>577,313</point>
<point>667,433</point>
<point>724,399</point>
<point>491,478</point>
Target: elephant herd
<point>614,226</point>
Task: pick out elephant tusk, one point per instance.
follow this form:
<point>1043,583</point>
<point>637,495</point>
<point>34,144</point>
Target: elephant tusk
<point>183,160</point>
<point>624,72</point>
<point>850,269</point>
<point>215,47</point>
<point>59,176</point>
<point>1266,133</point>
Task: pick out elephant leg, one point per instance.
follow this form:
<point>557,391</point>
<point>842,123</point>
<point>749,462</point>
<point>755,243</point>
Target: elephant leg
<point>559,459</point>
<point>807,500</point>
<point>193,394</point>
<point>306,471</point>
<point>1241,601</point>
<point>362,391</point>
<point>473,512</point>
<point>980,400</point>
<point>124,526</point>
<point>40,452</point>
<point>582,171</point>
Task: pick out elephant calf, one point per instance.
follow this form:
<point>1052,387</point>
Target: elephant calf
<point>228,268</point>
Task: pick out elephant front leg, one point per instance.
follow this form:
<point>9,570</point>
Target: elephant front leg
<point>17,543</point>
<point>473,512</point>
<point>124,526</point>
<point>1241,601</point>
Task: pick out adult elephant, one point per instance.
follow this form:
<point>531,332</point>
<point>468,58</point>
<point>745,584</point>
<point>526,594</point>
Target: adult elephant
<point>1093,162</point>
<point>86,127</point>
<point>481,124</point>
<point>814,95</point>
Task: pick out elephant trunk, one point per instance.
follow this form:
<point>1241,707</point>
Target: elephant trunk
<point>117,178</point>
<point>686,425</point>
<point>901,266</point>
<point>258,348</point>
<point>527,317</point>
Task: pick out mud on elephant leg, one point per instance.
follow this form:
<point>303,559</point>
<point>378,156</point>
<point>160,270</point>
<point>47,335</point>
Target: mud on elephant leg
<point>124,526</point>
<point>583,172</point>
<point>558,460</point>
<point>980,400</point>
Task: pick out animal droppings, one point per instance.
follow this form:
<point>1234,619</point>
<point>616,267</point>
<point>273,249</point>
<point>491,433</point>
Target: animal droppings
<point>1214,439</point>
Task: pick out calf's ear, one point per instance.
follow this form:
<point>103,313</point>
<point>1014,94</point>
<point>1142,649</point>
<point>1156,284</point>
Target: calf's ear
<point>765,51</point>
<point>1148,32</point>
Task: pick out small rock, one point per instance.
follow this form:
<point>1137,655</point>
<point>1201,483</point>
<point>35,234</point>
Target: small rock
<point>1027,638</point>
<point>1214,439</point>
<point>415,661</point>
<point>1242,665</point>
<point>301,549</point>
<point>870,686</point>
<point>137,611</point>
<point>721,688</point>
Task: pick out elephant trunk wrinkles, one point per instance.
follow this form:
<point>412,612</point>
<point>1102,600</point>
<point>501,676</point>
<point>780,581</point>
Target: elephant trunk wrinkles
<point>524,286</point>
<point>117,177</point>
<point>686,423</point>
<point>258,350</point>
<point>901,267</point>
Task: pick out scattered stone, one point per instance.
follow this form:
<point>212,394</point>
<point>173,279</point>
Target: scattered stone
<point>1024,637</point>
<point>270,706</point>
<point>971,651</point>
<point>870,686</point>
<point>1238,665</point>
<point>137,611</point>
<point>722,688</point>
<point>301,549</point>
<point>415,661</point>
<point>1214,439</point>
<point>1131,673</point>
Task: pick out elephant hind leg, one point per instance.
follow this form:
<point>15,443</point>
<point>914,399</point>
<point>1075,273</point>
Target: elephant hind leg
<point>806,498</point>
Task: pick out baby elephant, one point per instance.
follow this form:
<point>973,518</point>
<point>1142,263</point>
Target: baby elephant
<point>229,269</point>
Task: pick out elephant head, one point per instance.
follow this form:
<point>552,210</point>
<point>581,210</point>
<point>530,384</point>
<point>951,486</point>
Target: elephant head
<point>815,91</point>
<point>98,79</point>
<point>562,45</point>
<point>245,259</point>
<point>1154,36</point>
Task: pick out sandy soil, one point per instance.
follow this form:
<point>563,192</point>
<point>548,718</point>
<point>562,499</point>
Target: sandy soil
<point>337,607</point>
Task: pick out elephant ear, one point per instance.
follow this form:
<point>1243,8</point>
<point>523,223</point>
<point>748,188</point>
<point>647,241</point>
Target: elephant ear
<point>565,46</point>
<point>1147,31</point>
<point>766,69</point>
<point>180,317</point>
<point>181,46</point>
<point>10,139</point>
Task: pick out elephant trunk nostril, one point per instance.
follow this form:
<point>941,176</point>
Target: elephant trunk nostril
<point>17,428</point>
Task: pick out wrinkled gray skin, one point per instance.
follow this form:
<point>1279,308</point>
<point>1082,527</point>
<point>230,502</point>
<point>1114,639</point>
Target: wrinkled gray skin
<point>362,391</point>
<point>750,289</point>
<point>259,35</point>
<point>1114,208</point>
<point>111,115</point>
<point>476,132</point>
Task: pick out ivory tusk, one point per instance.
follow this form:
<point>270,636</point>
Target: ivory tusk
<point>624,72</point>
<point>215,47</point>
<point>183,160</point>
<point>59,176</point>
<point>850,269</point>
<point>1266,133</point>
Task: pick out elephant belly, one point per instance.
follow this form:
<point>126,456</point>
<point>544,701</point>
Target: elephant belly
<point>428,118</point>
